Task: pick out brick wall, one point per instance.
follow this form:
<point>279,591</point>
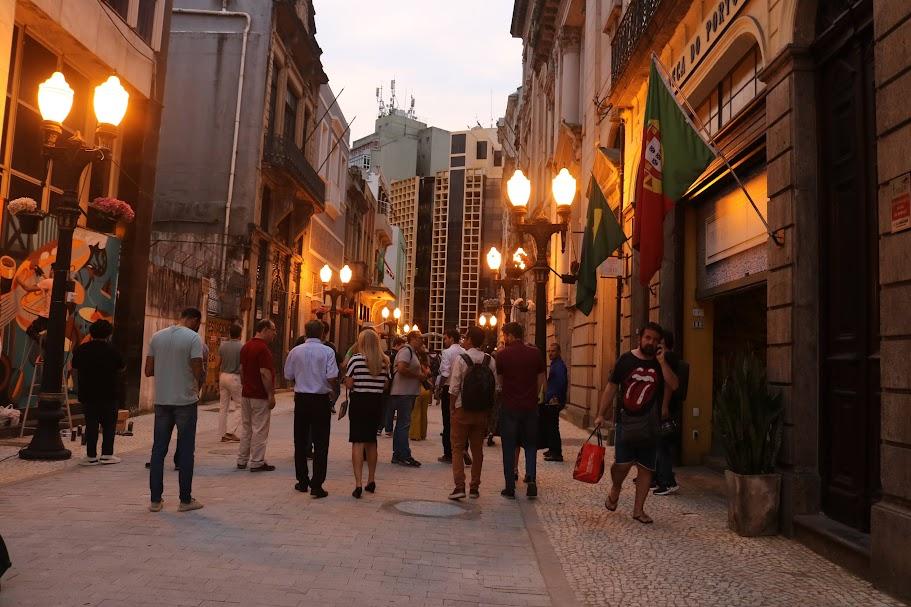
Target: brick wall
<point>892,516</point>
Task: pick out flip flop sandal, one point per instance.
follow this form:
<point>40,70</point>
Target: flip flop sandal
<point>643,518</point>
<point>610,504</point>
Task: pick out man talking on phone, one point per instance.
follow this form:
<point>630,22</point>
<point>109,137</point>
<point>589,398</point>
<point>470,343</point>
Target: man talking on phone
<point>642,376</point>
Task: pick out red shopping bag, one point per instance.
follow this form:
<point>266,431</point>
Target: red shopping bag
<point>590,462</point>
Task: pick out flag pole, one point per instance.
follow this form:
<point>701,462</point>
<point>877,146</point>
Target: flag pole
<point>690,115</point>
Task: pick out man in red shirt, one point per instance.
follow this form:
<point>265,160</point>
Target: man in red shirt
<point>257,378</point>
<point>521,369</point>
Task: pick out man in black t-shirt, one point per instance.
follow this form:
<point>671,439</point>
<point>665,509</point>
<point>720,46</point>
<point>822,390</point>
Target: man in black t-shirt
<point>641,377</point>
<point>98,366</point>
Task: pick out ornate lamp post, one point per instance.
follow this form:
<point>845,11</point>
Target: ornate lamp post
<point>70,158</point>
<point>488,322</point>
<point>540,229</point>
<point>325,275</point>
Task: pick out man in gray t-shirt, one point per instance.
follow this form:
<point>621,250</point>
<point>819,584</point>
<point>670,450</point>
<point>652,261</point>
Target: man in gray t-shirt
<point>406,385</point>
<point>229,386</point>
<point>175,360</point>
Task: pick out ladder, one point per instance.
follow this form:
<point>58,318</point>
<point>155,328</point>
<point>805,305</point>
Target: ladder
<point>36,380</point>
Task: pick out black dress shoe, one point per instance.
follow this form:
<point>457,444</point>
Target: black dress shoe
<point>509,494</point>
<point>263,468</point>
<point>445,459</point>
<point>411,462</point>
<point>370,487</point>
<point>357,493</point>
<point>318,493</point>
<point>302,487</point>
<point>531,490</point>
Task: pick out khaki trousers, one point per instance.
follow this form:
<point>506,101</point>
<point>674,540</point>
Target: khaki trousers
<point>470,425</point>
<point>255,418</point>
<point>229,390</point>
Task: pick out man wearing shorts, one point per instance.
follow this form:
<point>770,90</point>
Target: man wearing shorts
<point>641,376</point>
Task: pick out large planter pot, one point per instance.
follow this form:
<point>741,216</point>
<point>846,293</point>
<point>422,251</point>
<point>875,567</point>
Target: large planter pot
<point>29,222</point>
<point>753,502</point>
<point>100,221</point>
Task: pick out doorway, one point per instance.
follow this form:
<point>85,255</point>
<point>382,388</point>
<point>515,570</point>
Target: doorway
<point>848,269</point>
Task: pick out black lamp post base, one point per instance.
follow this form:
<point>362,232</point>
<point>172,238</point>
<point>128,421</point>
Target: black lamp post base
<point>39,453</point>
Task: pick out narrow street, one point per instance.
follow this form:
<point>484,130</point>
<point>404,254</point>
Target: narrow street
<point>83,536</point>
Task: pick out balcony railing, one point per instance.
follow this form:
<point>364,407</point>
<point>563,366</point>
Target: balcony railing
<point>635,20</point>
<point>284,154</point>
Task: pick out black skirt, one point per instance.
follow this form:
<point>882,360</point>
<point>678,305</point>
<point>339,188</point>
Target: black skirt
<point>365,410</point>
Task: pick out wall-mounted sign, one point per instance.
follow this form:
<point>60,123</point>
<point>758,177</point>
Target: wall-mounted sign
<point>698,318</point>
<point>713,25</point>
<point>900,195</point>
<point>612,267</point>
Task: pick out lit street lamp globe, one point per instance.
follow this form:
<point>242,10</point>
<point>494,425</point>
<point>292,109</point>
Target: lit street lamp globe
<point>397,314</point>
<point>385,313</point>
<point>518,188</point>
<point>345,274</point>
<point>111,101</point>
<point>494,259</point>
<point>493,322</point>
<point>55,98</point>
<point>564,188</point>
<point>482,320</point>
<point>325,274</point>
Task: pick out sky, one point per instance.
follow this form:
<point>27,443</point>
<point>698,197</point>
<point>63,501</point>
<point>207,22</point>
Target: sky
<point>455,58</point>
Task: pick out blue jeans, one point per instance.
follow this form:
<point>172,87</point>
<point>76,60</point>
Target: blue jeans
<point>519,429</point>
<point>664,475</point>
<point>402,405</point>
<point>166,417</point>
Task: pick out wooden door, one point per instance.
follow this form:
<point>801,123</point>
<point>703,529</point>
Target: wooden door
<point>849,280</point>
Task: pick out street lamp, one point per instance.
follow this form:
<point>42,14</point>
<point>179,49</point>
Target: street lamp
<point>407,328</point>
<point>563,189</point>
<point>325,275</point>
<point>70,158</point>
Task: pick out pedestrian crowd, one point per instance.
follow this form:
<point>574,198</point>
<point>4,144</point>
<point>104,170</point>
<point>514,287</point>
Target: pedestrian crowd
<point>509,391</point>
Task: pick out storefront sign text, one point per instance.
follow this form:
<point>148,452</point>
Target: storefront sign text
<point>900,194</point>
<point>720,16</point>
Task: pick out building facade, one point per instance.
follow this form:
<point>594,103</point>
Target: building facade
<point>467,219</point>
<point>87,44</point>
<point>238,183</point>
<point>801,97</point>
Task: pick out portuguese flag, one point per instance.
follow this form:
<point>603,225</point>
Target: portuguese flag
<point>673,156</point>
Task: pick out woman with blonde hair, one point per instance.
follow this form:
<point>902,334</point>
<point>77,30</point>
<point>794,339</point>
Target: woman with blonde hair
<point>365,376</point>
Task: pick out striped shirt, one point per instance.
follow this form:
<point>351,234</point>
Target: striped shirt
<point>364,381</point>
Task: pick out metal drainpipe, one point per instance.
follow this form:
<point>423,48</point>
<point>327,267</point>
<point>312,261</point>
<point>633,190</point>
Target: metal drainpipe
<point>224,12</point>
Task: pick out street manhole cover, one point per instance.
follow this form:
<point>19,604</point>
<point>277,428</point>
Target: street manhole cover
<point>430,509</point>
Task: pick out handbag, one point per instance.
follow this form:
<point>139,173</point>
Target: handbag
<point>343,407</point>
<point>590,461</point>
<point>638,429</point>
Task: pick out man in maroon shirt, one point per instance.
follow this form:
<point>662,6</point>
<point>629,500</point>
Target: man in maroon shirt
<point>257,378</point>
<point>521,369</point>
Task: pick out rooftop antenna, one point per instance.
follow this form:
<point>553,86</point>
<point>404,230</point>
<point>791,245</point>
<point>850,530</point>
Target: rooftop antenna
<point>392,96</point>
<point>379,100</point>
<point>411,109</point>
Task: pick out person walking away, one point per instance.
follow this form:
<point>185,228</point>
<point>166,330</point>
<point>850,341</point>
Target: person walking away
<point>98,367</point>
<point>388,411</point>
<point>554,403</point>
<point>451,351</point>
<point>313,369</point>
<point>418,430</point>
<point>473,391</point>
<point>229,386</point>
<point>175,361</point>
<point>257,397</point>
<point>521,368</point>
<point>641,376</point>
<point>666,481</point>
<point>406,385</point>
<point>366,376</point>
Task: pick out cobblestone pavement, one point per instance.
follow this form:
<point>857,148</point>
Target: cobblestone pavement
<point>84,537</point>
<point>688,557</point>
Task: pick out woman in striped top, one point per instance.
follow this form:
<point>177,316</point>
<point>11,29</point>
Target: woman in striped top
<point>366,376</point>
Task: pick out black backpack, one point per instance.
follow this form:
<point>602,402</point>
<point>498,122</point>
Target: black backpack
<point>479,386</point>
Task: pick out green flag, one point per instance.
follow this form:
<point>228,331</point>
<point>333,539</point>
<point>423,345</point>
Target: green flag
<point>603,236</point>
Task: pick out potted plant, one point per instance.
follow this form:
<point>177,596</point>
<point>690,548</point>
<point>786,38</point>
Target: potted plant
<point>750,419</point>
<point>105,213</point>
<point>27,214</point>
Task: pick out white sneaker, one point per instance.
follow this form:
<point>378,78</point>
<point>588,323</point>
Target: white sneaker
<point>110,459</point>
<point>88,461</point>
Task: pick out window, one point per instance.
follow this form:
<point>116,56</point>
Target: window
<point>481,150</point>
<point>291,103</point>
<point>733,93</point>
<point>265,209</point>
<point>273,100</point>
<point>457,145</point>
<point>457,161</point>
<point>497,158</point>
<point>121,7</point>
<point>146,22</point>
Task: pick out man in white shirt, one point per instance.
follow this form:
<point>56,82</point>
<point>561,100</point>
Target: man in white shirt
<point>451,351</point>
<point>313,369</point>
<point>472,392</point>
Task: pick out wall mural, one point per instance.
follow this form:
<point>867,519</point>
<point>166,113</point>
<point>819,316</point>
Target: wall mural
<point>25,293</point>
